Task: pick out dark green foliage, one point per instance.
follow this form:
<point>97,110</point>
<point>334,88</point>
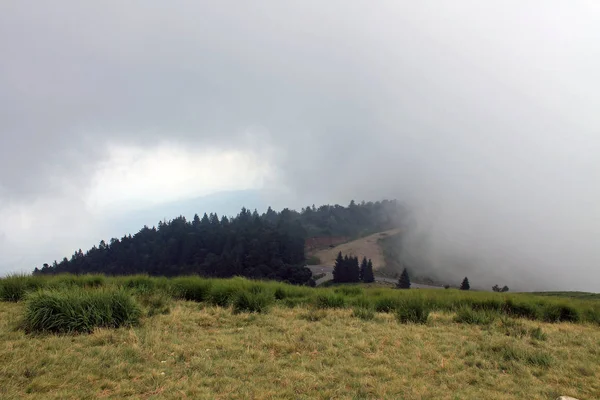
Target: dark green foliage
<point>477,317</point>
<point>267,246</point>
<point>465,285</point>
<point>525,309</point>
<point>413,310</point>
<point>404,281</point>
<point>191,288</point>
<point>499,289</point>
<point>346,269</point>
<point>560,313</point>
<point>222,295</point>
<point>386,304</point>
<point>254,302</point>
<point>14,287</point>
<point>79,310</point>
<point>329,300</point>
<point>366,271</point>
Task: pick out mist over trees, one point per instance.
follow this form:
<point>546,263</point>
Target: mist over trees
<point>267,246</point>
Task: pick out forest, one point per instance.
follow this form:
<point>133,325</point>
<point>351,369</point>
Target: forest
<point>253,245</point>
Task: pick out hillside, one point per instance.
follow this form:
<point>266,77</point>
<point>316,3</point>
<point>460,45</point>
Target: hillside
<point>368,246</point>
<point>271,245</point>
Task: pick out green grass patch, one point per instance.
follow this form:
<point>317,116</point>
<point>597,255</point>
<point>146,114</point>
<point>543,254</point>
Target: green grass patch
<point>366,314</point>
<point>79,310</point>
<point>467,315</point>
<point>414,310</point>
<point>330,300</point>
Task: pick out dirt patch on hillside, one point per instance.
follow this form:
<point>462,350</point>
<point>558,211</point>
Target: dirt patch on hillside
<point>363,247</point>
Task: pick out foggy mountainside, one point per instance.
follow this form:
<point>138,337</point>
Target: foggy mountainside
<point>270,245</point>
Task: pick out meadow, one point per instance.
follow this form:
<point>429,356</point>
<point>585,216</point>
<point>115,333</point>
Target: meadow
<point>93,336</point>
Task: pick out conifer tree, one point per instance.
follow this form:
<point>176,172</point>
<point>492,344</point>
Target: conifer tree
<point>465,284</point>
<point>404,281</point>
<point>354,269</point>
<point>338,269</point>
<point>368,276</point>
<point>363,269</point>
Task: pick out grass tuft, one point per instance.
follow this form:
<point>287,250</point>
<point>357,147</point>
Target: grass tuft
<point>413,310</point>
<point>78,310</point>
<point>477,317</point>
<point>329,300</point>
<point>254,302</point>
<point>366,314</point>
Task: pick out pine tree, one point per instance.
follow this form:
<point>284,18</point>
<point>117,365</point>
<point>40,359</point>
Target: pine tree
<point>368,276</point>
<point>404,281</point>
<point>465,284</point>
<point>354,269</point>
<point>338,269</point>
<point>363,269</point>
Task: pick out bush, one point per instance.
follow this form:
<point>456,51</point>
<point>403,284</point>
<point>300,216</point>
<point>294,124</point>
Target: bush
<point>478,317</point>
<point>330,301</point>
<point>366,314</point>
<point>412,310</point>
<point>77,310</point>
<point>252,302</point>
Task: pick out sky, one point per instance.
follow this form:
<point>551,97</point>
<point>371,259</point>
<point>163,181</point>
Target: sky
<point>481,116</point>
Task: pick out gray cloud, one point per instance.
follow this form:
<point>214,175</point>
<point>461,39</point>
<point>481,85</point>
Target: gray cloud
<point>482,116</point>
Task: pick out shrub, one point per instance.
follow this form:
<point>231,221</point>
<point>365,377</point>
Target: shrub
<point>329,301</point>
<point>77,310</point>
<point>560,313</point>
<point>478,317</point>
<point>366,314</point>
<point>252,302</point>
<point>412,310</point>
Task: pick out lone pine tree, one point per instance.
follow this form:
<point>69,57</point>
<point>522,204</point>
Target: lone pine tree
<point>465,284</point>
<point>404,281</point>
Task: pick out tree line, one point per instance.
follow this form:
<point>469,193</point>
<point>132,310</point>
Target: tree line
<point>267,246</point>
<point>348,270</point>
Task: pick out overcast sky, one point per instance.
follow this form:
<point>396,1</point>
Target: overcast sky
<point>482,115</point>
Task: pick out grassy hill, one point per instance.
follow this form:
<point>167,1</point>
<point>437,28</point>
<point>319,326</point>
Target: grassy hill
<point>300,342</point>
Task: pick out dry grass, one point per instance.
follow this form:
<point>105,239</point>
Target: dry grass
<point>201,352</point>
<point>367,246</point>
